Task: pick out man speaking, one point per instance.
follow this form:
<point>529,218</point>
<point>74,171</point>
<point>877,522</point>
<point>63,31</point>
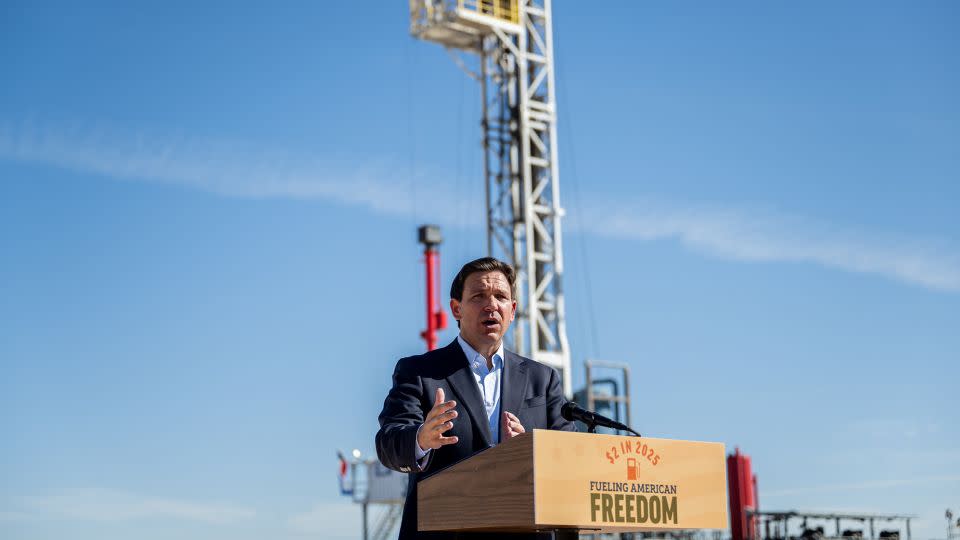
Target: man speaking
<point>449,403</point>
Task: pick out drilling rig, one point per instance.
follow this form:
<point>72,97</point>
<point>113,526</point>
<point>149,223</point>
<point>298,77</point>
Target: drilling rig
<point>513,42</point>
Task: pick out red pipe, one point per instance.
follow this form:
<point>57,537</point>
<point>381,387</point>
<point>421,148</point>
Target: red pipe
<point>436,318</point>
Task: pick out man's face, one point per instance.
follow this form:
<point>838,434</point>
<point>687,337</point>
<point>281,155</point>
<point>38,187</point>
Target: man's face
<point>486,310</point>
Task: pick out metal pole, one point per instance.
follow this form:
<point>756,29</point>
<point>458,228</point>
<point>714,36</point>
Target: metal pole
<point>365,536</point>
<point>626,395</point>
<point>590,404</point>
<point>485,125</point>
<point>353,481</point>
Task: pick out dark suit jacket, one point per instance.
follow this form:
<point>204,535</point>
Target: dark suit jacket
<point>528,389</point>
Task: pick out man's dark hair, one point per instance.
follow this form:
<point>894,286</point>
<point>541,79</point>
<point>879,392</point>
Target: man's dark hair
<point>483,264</point>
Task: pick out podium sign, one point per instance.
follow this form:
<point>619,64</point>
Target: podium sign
<point>628,483</point>
<point>560,480</point>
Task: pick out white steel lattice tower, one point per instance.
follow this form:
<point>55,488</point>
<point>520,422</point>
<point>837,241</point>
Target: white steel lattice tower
<point>514,42</point>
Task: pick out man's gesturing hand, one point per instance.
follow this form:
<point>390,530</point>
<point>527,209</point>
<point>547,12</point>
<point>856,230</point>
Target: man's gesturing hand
<point>511,425</point>
<point>439,419</point>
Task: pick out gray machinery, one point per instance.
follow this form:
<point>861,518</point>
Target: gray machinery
<point>513,40</point>
<point>606,391</point>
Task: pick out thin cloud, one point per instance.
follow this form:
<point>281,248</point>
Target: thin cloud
<point>761,236</point>
<point>941,479</point>
<point>94,504</point>
<point>237,169</point>
<point>226,168</point>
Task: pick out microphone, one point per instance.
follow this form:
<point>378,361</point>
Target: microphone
<point>571,411</point>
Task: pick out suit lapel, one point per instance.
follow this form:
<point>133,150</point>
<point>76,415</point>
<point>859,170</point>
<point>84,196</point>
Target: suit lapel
<point>514,382</point>
<point>464,386</point>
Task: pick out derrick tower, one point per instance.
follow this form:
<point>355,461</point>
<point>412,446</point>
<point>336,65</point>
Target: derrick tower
<point>513,40</point>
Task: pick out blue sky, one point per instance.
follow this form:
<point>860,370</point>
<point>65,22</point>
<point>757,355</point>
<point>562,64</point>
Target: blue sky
<point>209,260</point>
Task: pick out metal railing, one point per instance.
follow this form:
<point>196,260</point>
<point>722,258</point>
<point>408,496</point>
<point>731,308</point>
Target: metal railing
<point>506,10</point>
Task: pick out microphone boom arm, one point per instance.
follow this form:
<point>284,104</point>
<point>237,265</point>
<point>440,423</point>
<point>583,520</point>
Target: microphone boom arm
<point>571,411</point>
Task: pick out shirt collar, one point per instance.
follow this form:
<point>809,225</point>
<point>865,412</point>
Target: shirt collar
<point>472,354</point>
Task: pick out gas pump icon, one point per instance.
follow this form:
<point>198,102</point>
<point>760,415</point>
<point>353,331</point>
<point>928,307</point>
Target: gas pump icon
<point>633,470</point>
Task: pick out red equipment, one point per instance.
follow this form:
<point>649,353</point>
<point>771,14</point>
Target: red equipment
<point>429,236</point>
<point>742,487</point>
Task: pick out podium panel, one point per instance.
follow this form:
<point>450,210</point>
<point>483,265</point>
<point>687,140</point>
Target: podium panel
<point>592,482</point>
<point>617,483</point>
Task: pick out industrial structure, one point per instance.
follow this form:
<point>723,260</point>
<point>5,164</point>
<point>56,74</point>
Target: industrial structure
<point>371,485</point>
<point>513,40</point>
<point>748,522</point>
<point>776,525</point>
<point>606,391</point>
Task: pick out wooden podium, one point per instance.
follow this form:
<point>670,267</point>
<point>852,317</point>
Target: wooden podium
<point>556,480</point>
